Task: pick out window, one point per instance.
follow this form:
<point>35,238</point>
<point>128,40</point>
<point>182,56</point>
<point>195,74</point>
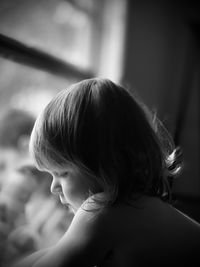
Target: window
<point>74,39</point>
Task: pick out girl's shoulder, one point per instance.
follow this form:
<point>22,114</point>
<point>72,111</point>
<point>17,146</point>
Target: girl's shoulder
<point>93,213</point>
<point>126,231</point>
<point>85,243</point>
<point>147,215</point>
<point>92,221</point>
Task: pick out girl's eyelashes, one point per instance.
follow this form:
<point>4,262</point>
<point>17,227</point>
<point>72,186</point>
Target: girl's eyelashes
<point>61,174</point>
<point>64,174</point>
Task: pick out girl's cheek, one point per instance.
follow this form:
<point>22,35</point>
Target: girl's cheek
<point>69,191</point>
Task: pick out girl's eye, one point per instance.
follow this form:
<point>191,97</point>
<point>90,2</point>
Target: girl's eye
<point>64,174</point>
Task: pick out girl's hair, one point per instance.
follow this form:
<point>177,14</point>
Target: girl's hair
<point>102,129</point>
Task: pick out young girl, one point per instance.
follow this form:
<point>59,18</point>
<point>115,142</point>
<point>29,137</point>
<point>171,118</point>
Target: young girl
<point>110,160</point>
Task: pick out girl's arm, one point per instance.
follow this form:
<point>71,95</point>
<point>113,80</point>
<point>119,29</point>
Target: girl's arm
<point>85,243</point>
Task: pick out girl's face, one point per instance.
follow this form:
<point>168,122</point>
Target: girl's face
<point>71,186</point>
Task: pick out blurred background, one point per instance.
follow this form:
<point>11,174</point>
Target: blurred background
<point>45,45</point>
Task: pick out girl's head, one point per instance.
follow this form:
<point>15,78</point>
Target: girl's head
<point>113,140</point>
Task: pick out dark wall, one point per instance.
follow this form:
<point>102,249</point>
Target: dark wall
<point>160,63</point>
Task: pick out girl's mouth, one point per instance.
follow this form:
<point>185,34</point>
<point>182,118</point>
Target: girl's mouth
<point>62,199</point>
<point>66,204</point>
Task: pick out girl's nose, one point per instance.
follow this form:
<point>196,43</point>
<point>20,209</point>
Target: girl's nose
<point>55,186</point>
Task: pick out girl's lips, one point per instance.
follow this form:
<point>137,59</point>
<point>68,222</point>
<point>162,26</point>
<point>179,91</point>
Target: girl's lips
<point>66,204</point>
<point>62,199</point>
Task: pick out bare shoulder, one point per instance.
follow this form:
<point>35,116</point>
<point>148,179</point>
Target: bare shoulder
<point>138,214</point>
<point>146,223</point>
<point>122,235</point>
<point>92,216</point>
<point>152,223</point>
<point>85,243</point>
<point>88,233</point>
